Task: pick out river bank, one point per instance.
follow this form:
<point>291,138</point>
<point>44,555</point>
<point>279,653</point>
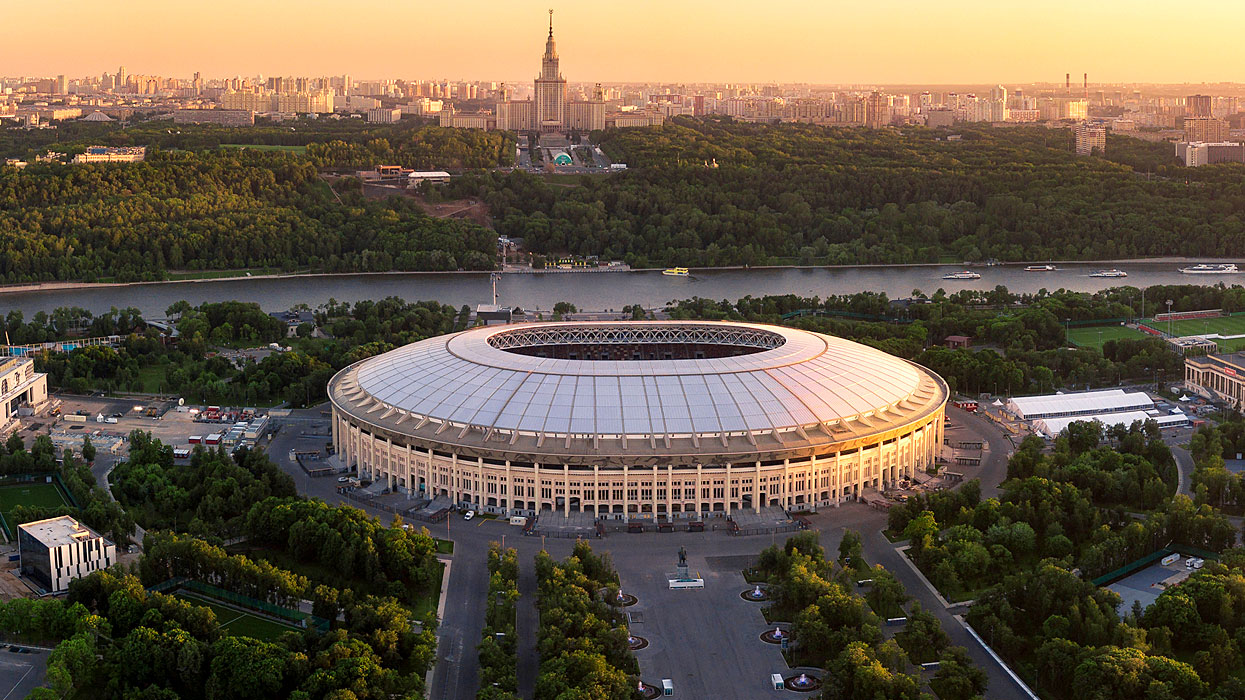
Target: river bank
<point>232,276</point>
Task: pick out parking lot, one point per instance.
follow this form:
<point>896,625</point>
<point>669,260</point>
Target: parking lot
<point>20,671</point>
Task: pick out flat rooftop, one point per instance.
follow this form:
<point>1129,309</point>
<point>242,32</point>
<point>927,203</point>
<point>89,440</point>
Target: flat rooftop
<point>55,532</point>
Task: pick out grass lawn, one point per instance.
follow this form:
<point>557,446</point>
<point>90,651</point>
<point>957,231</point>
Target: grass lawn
<point>266,147</point>
<point>32,493</point>
<point>151,378</point>
<point>1226,325</point>
<point>445,546</point>
<point>238,623</point>
<point>1095,336</point>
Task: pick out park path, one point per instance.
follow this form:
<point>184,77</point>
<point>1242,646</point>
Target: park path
<point>527,626</point>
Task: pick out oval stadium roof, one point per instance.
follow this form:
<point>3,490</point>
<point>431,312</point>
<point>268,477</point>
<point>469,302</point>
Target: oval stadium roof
<point>791,380</point>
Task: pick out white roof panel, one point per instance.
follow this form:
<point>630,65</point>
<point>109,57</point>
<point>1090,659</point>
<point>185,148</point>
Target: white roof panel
<point>795,378</point>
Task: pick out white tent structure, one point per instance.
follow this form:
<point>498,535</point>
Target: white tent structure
<point>1088,403</point>
<point>1051,427</point>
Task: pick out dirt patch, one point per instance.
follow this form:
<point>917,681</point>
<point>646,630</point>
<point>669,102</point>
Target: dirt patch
<point>470,209</point>
<point>10,587</point>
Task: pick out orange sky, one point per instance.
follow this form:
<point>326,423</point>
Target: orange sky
<point>819,41</point>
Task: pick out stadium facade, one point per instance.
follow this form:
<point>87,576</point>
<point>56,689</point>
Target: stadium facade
<point>622,419</point>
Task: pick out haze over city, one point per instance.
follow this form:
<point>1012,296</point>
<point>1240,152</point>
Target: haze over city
<point>884,42</point>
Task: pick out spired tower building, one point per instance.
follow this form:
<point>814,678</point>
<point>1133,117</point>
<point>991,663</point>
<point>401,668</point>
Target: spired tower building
<point>550,106</point>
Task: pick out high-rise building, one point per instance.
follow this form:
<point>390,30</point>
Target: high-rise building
<point>1205,129</point>
<point>121,78</point>
<point>1090,138</point>
<point>62,85</point>
<point>550,88</point>
<point>877,110</point>
<point>1199,106</point>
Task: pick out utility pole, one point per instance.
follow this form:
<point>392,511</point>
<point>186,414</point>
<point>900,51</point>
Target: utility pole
<point>494,278</point>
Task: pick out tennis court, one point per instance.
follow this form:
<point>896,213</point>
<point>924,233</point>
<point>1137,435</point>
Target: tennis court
<point>1095,336</point>
<point>29,493</point>
<point>236,622</point>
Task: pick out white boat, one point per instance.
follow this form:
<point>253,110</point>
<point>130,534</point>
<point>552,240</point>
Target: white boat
<point>1040,268</point>
<point>1108,273</point>
<point>962,275</point>
<point>1207,269</point>
<point>676,272</point>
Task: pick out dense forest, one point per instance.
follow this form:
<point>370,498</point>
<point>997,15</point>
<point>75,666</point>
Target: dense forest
<point>213,210</point>
<point>333,143</point>
<point>144,361</point>
<point>715,192</point>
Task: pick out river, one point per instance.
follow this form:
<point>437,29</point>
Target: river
<point>597,290</point>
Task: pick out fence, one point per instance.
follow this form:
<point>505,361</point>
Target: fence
<point>1187,315</point>
<point>1149,559</point>
<point>294,617</point>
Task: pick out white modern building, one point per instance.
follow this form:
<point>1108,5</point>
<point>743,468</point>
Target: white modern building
<point>58,550</point>
<point>1082,404</point>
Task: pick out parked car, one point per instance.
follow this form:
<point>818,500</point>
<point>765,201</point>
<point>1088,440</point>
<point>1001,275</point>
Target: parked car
<point>469,515</point>
<point>342,479</point>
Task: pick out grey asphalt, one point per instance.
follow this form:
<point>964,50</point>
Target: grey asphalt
<point>21,673</point>
<point>527,625</point>
<point>710,652</point>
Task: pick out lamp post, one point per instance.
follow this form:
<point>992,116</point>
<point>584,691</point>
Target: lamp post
<point>1169,317</point>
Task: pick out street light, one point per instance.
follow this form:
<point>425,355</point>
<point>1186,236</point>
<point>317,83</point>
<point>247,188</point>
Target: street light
<point>1169,317</point>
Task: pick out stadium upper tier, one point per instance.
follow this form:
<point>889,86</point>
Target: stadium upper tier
<point>727,382</point>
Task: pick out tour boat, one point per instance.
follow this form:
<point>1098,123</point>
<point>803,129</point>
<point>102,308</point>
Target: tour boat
<point>675,272</point>
<point>962,275</point>
<point>1108,273</point>
<point>1205,269</point>
<point>1040,268</point>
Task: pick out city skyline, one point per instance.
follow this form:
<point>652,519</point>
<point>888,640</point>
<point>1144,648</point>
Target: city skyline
<point>967,42</point>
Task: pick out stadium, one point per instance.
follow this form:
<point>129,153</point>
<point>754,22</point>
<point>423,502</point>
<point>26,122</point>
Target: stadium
<point>624,418</point>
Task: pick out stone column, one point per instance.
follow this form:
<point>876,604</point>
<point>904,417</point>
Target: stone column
<point>756,488</point>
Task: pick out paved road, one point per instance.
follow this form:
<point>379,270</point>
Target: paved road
<point>993,468</point>
<point>527,626</point>
<point>21,673</point>
<point>641,557</point>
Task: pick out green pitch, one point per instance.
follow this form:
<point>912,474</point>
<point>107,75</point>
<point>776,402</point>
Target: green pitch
<point>1095,336</point>
<point>238,623</point>
<point>1223,325</point>
<point>40,493</point>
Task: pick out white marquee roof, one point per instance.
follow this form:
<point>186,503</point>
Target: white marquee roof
<point>1087,402</point>
<point>799,381</point>
<point>1051,427</point>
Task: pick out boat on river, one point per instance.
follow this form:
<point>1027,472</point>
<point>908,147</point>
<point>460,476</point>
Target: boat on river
<point>962,275</point>
<point>1210,269</point>
<point>1108,273</point>
<point>676,272</point>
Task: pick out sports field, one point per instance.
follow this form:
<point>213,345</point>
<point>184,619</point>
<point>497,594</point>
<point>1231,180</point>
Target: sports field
<point>238,623</point>
<point>1223,325</point>
<point>1095,336</point>
<point>31,493</point>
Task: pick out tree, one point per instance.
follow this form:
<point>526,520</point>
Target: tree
<point>851,549</point>
<point>88,449</point>
<point>957,678</point>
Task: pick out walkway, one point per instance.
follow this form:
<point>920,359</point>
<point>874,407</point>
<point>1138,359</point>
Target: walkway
<point>527,626</point>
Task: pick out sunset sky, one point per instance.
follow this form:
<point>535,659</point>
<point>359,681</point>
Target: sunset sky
<point>820,41</point>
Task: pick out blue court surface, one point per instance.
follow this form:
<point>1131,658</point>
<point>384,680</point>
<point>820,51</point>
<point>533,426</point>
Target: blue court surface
<point>1147,584</point>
